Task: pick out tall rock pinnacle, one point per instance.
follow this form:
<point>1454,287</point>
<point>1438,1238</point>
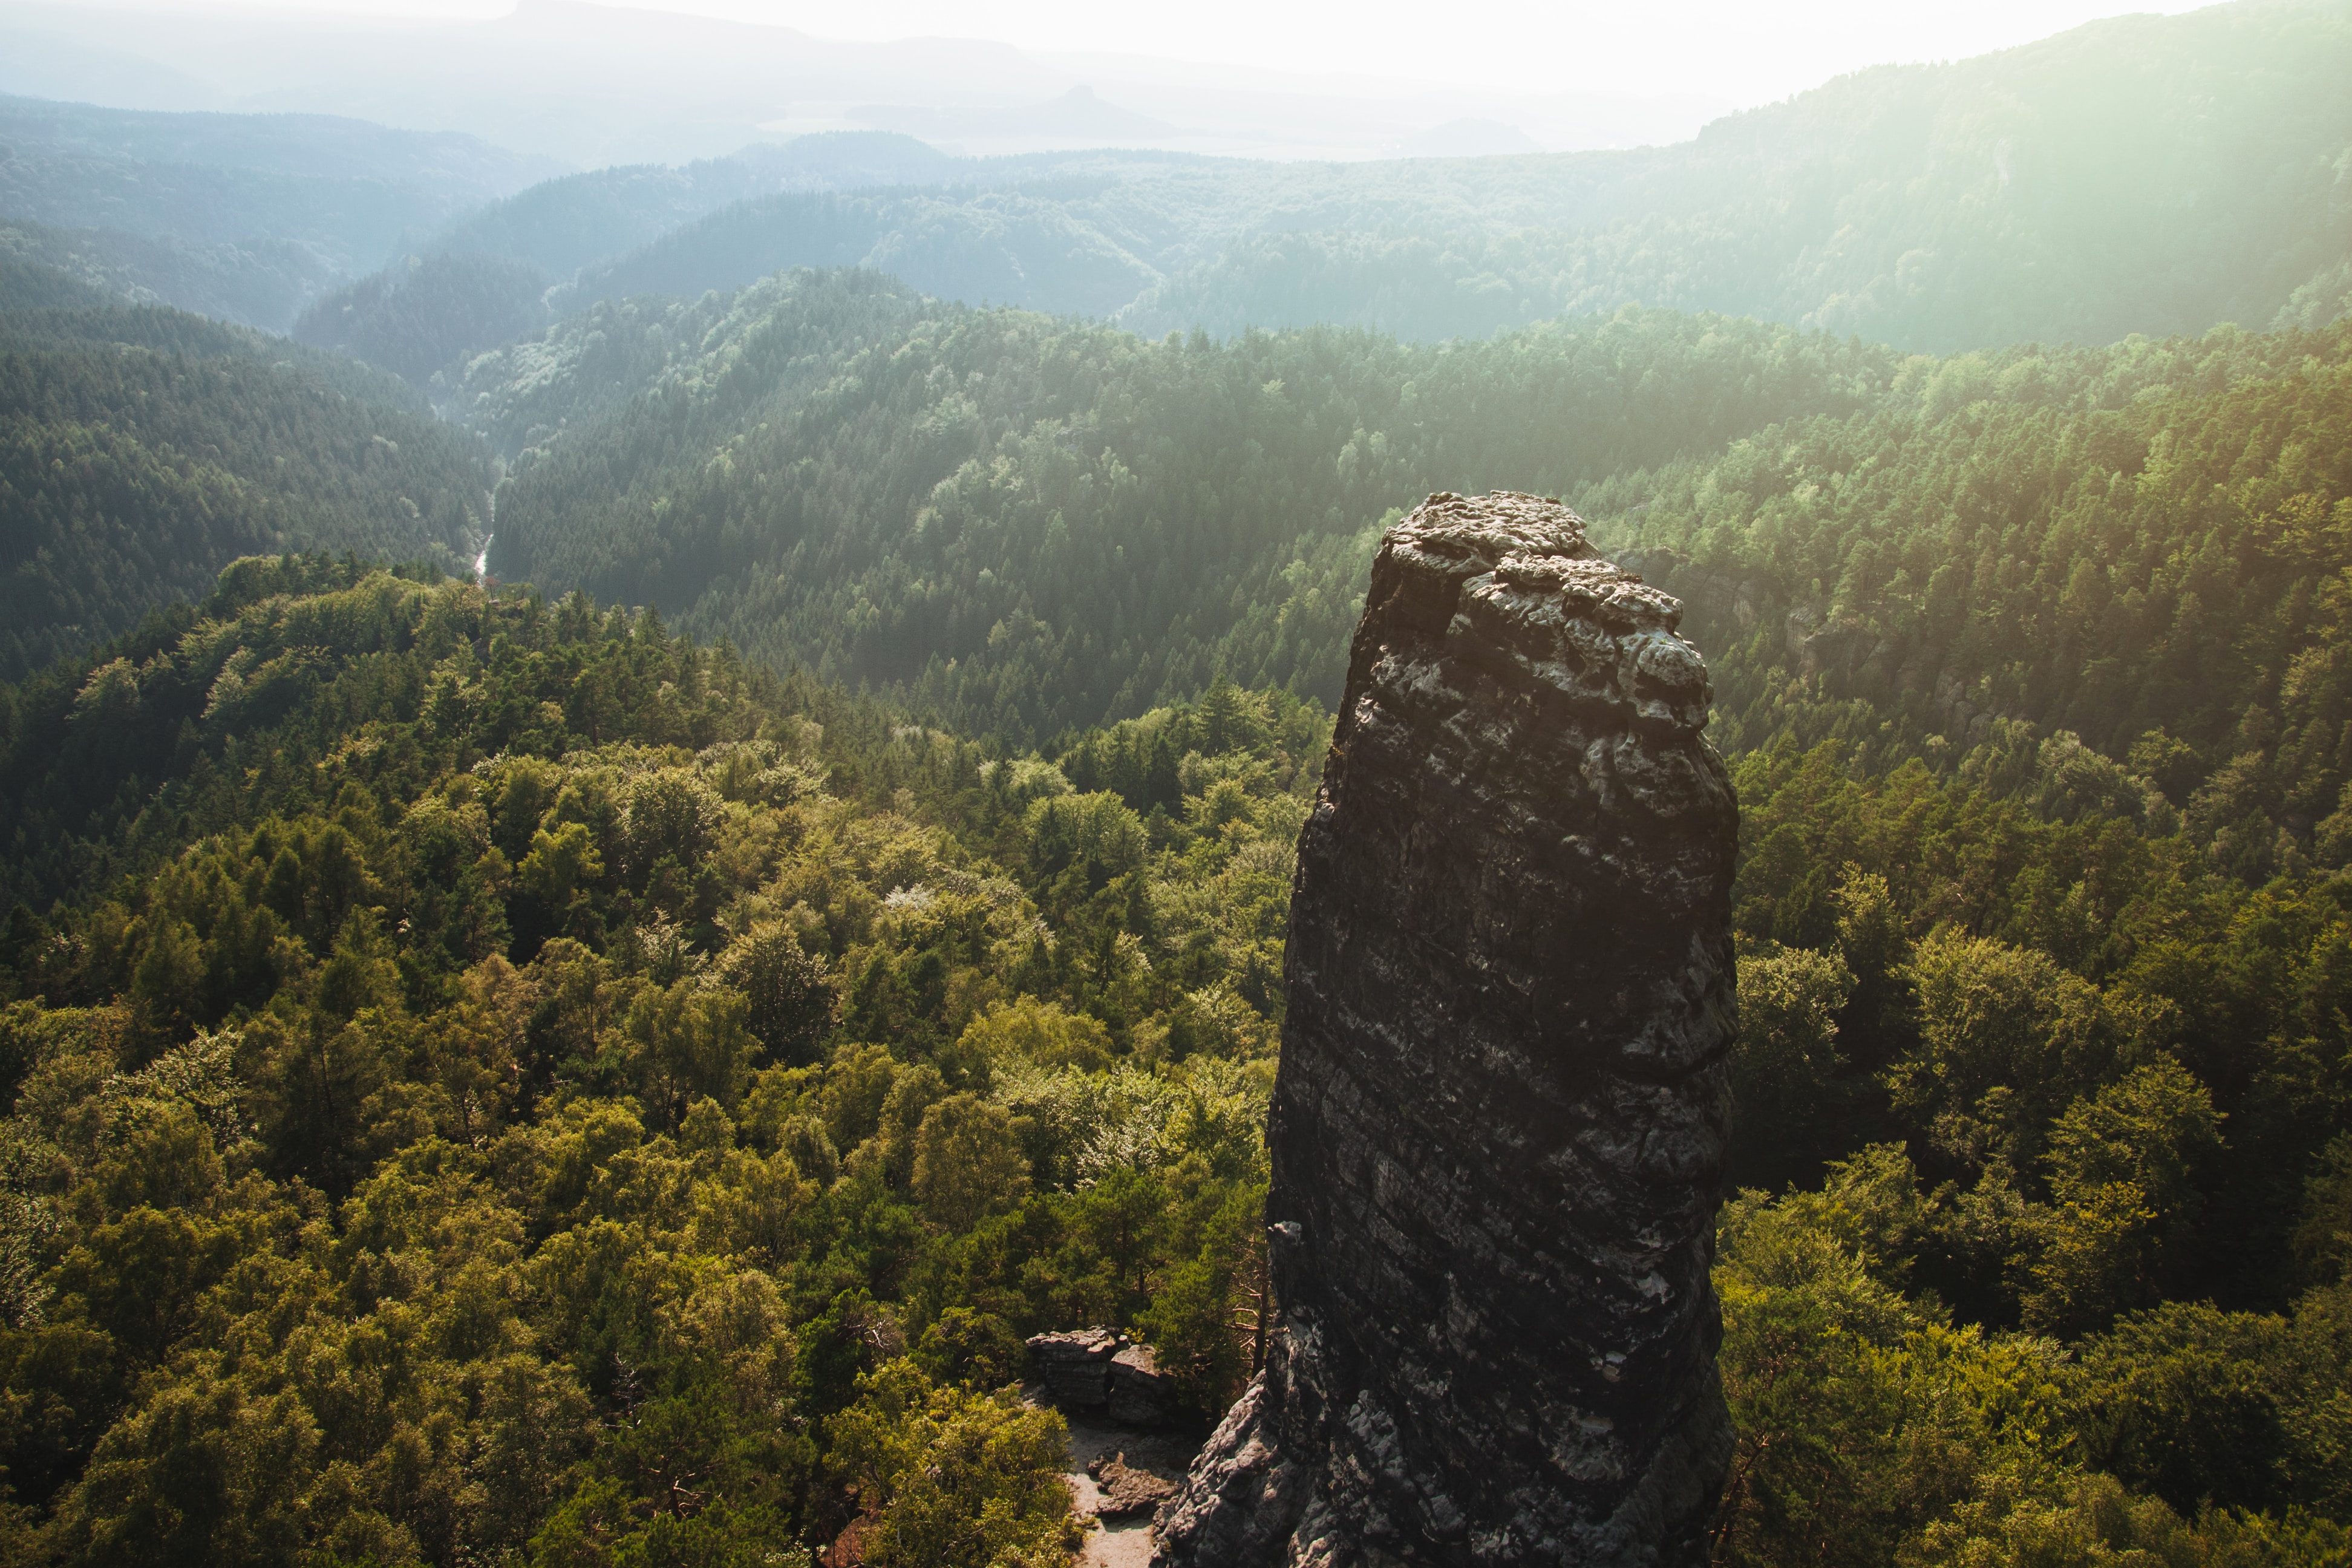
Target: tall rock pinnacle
<point>1498,1127</point>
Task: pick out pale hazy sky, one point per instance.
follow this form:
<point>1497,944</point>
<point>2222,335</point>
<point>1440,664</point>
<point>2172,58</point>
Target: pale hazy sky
<point>1746,51</point>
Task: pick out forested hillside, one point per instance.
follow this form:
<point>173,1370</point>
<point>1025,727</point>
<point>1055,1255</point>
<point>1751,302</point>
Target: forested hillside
<point>303,145</point>
<point>260,282</point>
<point>1012,247</point>
<point>2149,175</point>
<point>603,1069</point>
<point>561,224</point>
<point>2143,547</point>
<point>428,311</point>
<point>29,281</point>
<point>143,450</point>
<point>1003,235</point>
<point>1031,524</point>
<point>2026,661</point>
<point>2146,174</point>
<point>491,1076</point>
<point>507,1080</point>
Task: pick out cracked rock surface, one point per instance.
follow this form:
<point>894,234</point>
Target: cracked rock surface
<point>1498,1127</point>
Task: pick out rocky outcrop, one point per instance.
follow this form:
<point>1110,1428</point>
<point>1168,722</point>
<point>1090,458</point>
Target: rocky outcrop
<point>1124,1490</point>
<point>1140,1393</point>
<point>1076,1367</point>
<point>1103,1370</point>
<point>1497,1128</point>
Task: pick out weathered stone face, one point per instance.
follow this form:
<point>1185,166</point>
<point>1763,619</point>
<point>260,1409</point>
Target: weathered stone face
<point>1498,1127</point>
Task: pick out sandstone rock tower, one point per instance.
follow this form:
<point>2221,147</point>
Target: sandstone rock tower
<point>1498,1128</point>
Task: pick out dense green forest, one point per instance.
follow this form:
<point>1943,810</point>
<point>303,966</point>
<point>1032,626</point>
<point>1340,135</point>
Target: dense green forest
<point>42,310</point>
<point>143,450</point>
<point>1028,524</point>
<point>259,282</point>
<point>493,1077</point>
<point>2134,558</point>
<point>727,1075</point>
<point>428,311</point>
<point>2028,662</point>
<point>1031,524</point>
<point>30,280</point>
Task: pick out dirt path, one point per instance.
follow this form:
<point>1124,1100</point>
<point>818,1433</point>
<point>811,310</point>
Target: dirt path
<point>1121,1543</point>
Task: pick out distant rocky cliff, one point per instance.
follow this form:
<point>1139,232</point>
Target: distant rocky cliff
<point>1498,1128</point>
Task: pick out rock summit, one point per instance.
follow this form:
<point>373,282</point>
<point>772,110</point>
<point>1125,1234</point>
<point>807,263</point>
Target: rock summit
<point>1498,1127</point>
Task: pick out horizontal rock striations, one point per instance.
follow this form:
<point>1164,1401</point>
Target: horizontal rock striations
<point>1497,1130</point>
<point>1102,1369</point>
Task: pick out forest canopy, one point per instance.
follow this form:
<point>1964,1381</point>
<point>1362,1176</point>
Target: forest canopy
<point>707,1079</point>
<point>730,1077</point>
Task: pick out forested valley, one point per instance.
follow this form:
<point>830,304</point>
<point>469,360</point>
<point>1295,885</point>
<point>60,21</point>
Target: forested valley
<point>1031,524</point>
<point>546,1084</point>
<point>601,1061</point>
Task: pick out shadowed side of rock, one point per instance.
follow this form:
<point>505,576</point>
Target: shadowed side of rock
<point>1102,1369</point>
<point>1498,1127</point>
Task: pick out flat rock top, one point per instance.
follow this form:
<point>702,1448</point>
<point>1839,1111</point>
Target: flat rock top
<point>1528,547</point>
<point>1484,529</point>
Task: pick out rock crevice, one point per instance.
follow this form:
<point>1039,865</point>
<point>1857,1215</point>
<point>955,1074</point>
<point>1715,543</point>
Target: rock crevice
<point>1497,1130</point>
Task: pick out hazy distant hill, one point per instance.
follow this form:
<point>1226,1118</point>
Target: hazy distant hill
<point>561,224</point>
<point>2151,174</point>
<point>262,282</point>
<point>1010,246</point>
<point>241,216</point>
<point>1008,232</point>
<point>597,84</point>
<point>319,146</point>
